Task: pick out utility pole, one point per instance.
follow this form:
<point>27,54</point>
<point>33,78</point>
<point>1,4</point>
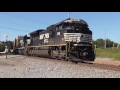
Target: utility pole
<point>6,47</point>
<point>113,46</point>
<point>118,45</point>
<point>105,40</point>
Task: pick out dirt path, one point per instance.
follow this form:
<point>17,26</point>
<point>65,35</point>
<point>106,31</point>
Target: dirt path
<point>108,61</point>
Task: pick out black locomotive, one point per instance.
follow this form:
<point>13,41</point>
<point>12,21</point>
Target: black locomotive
<point>70,39</point>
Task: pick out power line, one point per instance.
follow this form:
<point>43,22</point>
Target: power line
<point>24,18</point>
<point>105,40</point>
<point>13,29</point>
<point>31,21</point>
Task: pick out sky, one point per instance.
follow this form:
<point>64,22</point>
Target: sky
<point>102,24</point>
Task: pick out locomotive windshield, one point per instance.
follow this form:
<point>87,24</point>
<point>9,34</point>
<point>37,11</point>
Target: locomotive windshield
<point>75,27</point>
<point>71,24</point>
<point>73,31</point>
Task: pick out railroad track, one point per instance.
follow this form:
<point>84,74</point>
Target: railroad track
<point>89,64</point>
<point>102,66</point>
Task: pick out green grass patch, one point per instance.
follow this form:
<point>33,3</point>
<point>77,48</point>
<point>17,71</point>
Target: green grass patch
<point>108,53</point>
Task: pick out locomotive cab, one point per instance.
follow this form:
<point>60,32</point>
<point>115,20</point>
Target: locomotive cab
<point>79,37</point>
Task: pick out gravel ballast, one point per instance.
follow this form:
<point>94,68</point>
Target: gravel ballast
<point>17,66</point>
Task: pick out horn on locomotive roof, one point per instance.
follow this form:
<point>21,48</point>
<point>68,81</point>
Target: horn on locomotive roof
<point>68,14</point>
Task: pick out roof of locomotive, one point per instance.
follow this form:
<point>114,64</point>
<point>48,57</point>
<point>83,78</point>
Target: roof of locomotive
<point>37,31</point>
<point>71,20</point>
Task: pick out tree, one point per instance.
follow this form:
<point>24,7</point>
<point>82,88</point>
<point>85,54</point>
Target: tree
<point>9,44</point>
<point>2,47</point>
<point>100,43</point>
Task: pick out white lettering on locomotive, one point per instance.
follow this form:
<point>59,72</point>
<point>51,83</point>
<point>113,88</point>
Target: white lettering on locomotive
<point>46,35</point>
<point>77,37</point>
<point>42,36</point>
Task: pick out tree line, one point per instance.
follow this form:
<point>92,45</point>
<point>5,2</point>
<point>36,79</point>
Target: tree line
<point>101,43</point>
<point>3,44</point>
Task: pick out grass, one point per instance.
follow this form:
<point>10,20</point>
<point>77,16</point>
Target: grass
<point>108,53</point>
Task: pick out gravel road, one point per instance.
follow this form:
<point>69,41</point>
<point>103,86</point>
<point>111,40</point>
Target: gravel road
<point>17,66</point>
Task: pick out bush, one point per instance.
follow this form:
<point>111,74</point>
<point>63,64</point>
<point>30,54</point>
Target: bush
<point>108,53</point>
<point>2,47</point>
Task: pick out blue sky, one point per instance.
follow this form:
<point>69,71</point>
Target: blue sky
<point>22,23</point>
